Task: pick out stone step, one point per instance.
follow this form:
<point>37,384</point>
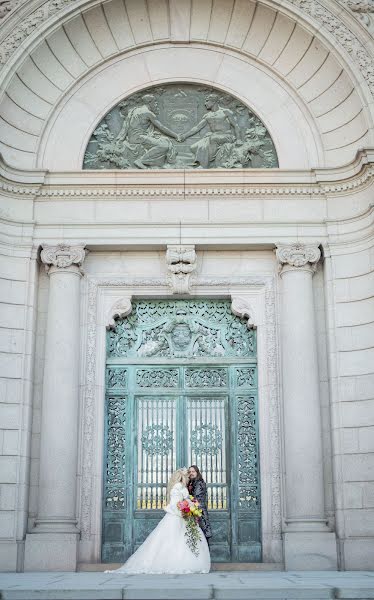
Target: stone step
<point>243,585</point>
<point>221,566</point>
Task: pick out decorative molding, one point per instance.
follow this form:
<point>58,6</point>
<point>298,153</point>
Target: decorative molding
<point>13,188</point>
<point>89,414</point>
<point>297,255</point>
<point>6,6</point>
<point>344,36</point>
<point>62,256</point>
<point>356,175</point>
<point>241,308</point>
<point>273,406</point>
<point>29,25</point>
<point>87,511</point>
<point>349,184</point>
<point>181,262</point>
<point>228,281</point>
<point>119,310</point>
<point>363,9</point>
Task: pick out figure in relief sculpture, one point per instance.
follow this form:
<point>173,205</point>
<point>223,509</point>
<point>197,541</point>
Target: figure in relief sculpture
<point>180,126</point>
<point>223,127</point>
<point>141,129</point>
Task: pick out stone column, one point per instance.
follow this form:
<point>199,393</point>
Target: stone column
<point>308,542</point>
<point>52,545</point>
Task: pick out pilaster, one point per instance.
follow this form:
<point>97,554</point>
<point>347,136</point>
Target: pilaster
<point>307,539</point>
<point>52,545</point>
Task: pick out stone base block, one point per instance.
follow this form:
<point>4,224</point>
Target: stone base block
<point>51,552</point>
<point>358,554</point>
<point>310,551</point>
<point>8,556</point>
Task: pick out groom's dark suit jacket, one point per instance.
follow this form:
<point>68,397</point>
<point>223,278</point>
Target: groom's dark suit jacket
<point>197,488</point>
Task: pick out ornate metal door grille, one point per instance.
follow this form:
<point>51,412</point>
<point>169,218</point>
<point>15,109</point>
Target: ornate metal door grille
<point>181,388</point>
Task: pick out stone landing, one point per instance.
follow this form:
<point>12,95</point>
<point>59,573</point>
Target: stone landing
<point>311,585</point>
<point>242,566</point>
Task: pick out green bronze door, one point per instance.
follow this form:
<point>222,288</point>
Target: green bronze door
<point>181,389</point>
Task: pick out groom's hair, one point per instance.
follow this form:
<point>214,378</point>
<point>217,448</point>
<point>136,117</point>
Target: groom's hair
<point>199,475</point>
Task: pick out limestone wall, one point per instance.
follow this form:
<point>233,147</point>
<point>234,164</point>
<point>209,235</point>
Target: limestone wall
<point>349,281</point>
<point>17,321</point>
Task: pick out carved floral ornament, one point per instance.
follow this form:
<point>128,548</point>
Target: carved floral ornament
<point>6,6</point>
<point>62,256</point>
<point>297,256</point>
<point>340,31</point>
<point>180,328</point>
<point>363,10</point>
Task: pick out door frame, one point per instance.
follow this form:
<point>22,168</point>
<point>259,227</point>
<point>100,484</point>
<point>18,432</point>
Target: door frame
<point>103,298</point>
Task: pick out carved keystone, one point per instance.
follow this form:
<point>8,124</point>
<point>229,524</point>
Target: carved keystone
<point>181,262</point>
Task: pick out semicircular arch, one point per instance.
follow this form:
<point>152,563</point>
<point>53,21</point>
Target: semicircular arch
<point>281,49</point>
<point>297,146</point>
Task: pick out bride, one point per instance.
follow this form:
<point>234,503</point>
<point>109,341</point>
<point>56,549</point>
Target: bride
<point>165,550</point>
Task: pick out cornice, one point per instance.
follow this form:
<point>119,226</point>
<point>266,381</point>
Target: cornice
<point>123,185</point>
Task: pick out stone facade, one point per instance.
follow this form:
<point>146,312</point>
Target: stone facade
<point>292,247</point>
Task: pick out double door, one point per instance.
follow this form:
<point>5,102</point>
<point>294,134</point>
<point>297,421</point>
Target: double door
<point>160,417</point>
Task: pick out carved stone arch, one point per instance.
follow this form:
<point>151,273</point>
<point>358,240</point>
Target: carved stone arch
<point>299,146</point>
<point>308,28</point>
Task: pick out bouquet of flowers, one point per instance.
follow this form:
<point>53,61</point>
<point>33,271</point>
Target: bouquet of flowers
<point>191,512</point>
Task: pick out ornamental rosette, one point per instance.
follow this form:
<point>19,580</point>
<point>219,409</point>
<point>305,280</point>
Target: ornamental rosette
<point>298,255</point>
<point>62,256</point>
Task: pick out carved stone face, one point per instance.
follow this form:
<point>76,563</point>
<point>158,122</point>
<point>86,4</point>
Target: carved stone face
<point>155,107</point>
<point>151,102</point>
<point>181,336</point>
<point>210,101</point>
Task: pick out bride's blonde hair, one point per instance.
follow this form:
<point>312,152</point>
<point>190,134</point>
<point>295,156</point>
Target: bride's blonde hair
<point>176,477</point>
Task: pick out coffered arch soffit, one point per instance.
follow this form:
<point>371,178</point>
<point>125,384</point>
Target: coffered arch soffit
<point>267,49</point>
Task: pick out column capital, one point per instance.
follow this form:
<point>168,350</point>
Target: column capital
<point>63,257</point>
<point>297,256</point>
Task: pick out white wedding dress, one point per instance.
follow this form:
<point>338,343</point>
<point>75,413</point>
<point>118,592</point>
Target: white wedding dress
<point>165,550</point>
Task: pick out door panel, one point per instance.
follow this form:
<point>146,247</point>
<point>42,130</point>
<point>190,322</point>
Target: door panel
<point>157,447</point>
<point>181,406</point>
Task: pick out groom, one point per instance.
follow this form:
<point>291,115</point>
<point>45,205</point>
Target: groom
<point>197,489</point>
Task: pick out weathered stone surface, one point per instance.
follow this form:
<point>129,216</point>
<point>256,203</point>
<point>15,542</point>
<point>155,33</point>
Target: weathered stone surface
<point>221,586</point>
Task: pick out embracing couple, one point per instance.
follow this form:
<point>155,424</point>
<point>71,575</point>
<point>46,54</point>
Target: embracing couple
<point>179,543</point>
